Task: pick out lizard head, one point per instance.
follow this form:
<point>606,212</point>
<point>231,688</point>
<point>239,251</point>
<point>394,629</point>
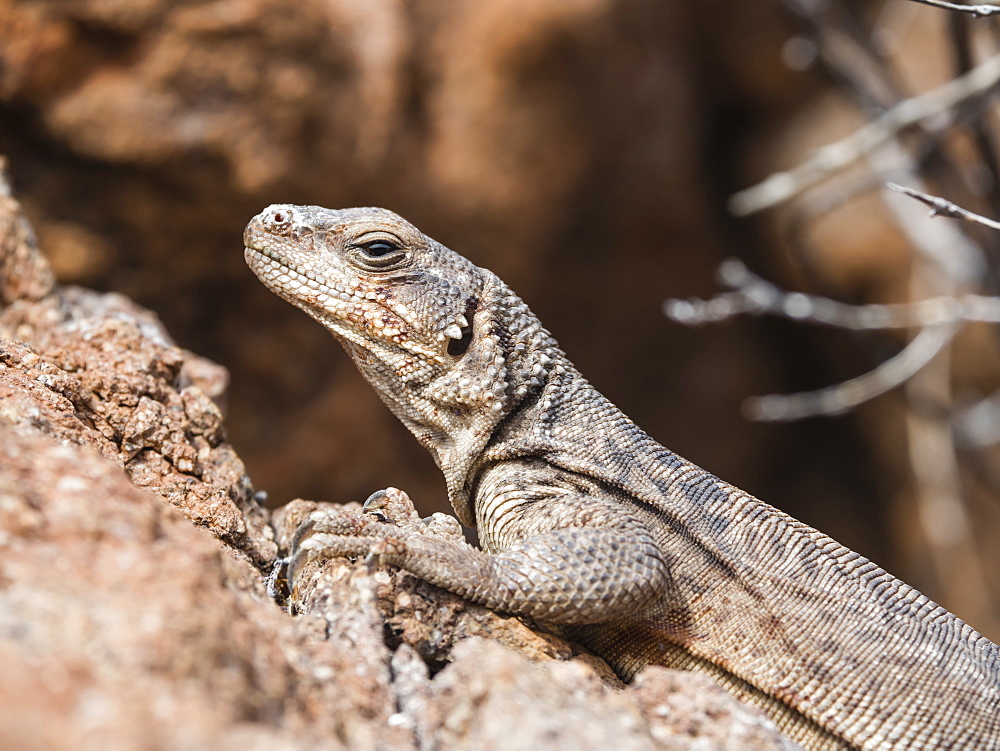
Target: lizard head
<point>369,276</point>
<point>418,313</point>
<point>446,344</point>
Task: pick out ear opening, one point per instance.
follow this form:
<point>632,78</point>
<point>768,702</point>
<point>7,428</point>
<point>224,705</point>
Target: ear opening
<point>458,347</point>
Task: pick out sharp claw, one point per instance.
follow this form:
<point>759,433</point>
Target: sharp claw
<point>375,501</point>
<point>294,563</point>
<point>304,530</point>
<point>306,550</point>
<point>372,562</point>
<point>280,564</point>
<point>443,525</point>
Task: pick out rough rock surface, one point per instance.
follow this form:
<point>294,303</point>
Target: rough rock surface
<point>125,626</point>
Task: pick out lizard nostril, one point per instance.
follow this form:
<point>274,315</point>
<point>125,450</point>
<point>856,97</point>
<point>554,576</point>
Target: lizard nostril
<point>277,218</point>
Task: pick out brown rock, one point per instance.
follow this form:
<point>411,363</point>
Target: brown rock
<point>24,274</point>
<point>123,626</point>
<point>489,697</point>
<point>106,375</point>
<point>99,371</point>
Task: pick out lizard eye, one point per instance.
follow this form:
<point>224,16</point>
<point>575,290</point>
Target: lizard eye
<point>377,254</point>
<point>379,249</point>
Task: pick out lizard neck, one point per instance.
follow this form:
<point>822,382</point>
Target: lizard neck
<point>454,411</point>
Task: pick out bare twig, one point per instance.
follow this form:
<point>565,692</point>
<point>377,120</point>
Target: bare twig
<point>978,425</point>
<point>753,295</point>
<point>851,55</point>
<point>943,246</point>
<point>862,58</point>
<point>976,11</point>
<point>963,31</point>
<point>942,207</point>
<point>836,156</point>
<point>939,494</point>
<point>938,317</point>
<point>847,53</point>
<point>844,396</point>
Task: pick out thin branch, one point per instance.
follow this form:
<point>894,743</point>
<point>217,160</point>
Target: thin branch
<point>943,246</point>
<point>848,55</point>
<point>844,396</point>
<point>976,11</point>
<point>946,264</point>
<point>942,207</point>
<point>978,425</point>
<point>836,156</point>
<point>938,317</point>
<point>753,295</point>
<point>962,31</point>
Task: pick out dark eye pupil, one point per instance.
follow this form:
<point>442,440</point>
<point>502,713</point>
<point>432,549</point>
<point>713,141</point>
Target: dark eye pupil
<point>378,250</point>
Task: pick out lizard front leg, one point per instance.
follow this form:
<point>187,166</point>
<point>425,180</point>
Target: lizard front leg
<point>556,571</point>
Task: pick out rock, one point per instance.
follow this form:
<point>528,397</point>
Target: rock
<point>99,371</point>
<point>24,274</point>
<point>133,609</point>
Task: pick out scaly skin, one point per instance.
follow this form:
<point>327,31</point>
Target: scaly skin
<point>592,528</point>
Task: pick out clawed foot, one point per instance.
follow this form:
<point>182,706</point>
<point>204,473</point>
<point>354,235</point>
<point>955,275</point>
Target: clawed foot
<point>379,533</point>
<point>390,505</point>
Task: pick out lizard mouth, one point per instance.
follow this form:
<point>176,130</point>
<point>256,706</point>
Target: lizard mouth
<point>344,313</point>
<point>286,279</point>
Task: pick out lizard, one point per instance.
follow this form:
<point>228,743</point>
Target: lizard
<point>595,531</point>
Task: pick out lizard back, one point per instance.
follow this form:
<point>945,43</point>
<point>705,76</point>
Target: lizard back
<point>775,610</point>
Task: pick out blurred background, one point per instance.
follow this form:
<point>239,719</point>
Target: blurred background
<point>586,151</point>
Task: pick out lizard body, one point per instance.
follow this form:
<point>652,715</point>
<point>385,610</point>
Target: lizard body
<point>592,528</point>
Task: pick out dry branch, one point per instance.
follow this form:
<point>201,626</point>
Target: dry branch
<point>976,11</point>
<point>838,155</point>
<point>941,207</point>
<point>753,295</point>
